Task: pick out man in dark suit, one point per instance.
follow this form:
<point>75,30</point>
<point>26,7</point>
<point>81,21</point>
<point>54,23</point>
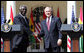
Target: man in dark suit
<point>50,29</point>
<point>21,41</point>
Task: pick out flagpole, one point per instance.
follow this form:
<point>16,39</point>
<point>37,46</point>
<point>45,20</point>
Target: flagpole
<point>10,4</point>
<point>69,20</point>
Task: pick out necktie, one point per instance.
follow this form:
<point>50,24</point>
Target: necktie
<point>48,24</point>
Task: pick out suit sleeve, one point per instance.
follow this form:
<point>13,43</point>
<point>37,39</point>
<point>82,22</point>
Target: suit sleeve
<point>41,34</point>
<point>59,26</point>
<point>24,28</point>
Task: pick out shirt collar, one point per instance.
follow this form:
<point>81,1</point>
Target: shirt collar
<point>50,18</point>
<point>22,15</point>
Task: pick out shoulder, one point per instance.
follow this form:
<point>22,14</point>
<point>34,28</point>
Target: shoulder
<point>55,18</point>
<point>17,16</point>
<point>43,21</point>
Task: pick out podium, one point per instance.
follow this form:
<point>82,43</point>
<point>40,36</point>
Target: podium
<point>8,35</point>
<point>67,29</point>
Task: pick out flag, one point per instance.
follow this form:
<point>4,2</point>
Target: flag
<point>31,23</point>
<point>11,16</point>
<point>68,44</point>
<point>81,17</point>
<point>71,13</point>
<point>2,16</point>
<point>58,12</point>
<point>2,22</point>
<point>44,16</point>
<point>31,26</point>
<point>38,26</point>
<point>10,11</point>
<point>2,45</point>
<point>38,30</point>
<point>81,38</point>
<point>73,16</point>
<point>81,43</point>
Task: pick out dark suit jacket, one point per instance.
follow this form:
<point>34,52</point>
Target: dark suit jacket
<point>53,34</point>
<point>21,39</point>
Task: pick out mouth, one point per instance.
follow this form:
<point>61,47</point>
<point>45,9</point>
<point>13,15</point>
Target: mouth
<point>48,14</point>
<point>24,13</point>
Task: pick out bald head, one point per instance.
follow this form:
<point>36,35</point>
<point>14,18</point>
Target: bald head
<point>23,10</point>
<point>22,6</point>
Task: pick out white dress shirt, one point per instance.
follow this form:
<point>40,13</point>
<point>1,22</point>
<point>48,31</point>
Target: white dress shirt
<point>49,20</point>
<point>22,15</point>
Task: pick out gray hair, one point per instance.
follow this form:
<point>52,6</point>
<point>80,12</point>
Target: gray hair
<point>49,8</point>
<point>22,6</point>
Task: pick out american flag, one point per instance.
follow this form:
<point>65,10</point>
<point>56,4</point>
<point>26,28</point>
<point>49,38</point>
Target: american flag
<point>38,29</point>
<point>2,22</point>
<point>69,41</point>
<point>73,17</point>
<point>1,43</point>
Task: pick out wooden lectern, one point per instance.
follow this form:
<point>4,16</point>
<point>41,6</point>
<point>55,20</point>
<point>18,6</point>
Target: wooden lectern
<point>67,29</point>
<point>8,35</point>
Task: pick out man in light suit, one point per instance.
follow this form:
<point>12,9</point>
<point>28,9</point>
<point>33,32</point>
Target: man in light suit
<point>50,29</point>
<point>21,41</point>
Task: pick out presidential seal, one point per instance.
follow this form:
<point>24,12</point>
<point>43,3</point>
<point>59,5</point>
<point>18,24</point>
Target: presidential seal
<point>5,27</point>
<point>75,27</point>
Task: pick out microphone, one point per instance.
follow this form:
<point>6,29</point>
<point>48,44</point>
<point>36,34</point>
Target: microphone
<point>73,20</point>
<point>9,21</point>
<point>5,21</point>
<point>76,20</point>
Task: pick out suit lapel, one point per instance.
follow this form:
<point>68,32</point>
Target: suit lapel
<point>45,24</point>
<point>22,20</point>
<point>26,21</point>
<point>51,24</point>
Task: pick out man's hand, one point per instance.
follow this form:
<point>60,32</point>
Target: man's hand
<point>59,42</point>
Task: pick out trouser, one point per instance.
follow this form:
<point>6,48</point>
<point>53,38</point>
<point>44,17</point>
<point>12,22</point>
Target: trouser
<point>20,50</point>
<point>22,46</point>
<point>52,49</point>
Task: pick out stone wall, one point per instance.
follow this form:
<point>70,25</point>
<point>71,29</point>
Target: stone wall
<point>54,4</point>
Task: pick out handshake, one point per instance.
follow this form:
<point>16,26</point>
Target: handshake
<point>35,34</point>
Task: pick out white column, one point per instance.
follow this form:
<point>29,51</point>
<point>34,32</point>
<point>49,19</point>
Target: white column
<point>8,5</point>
